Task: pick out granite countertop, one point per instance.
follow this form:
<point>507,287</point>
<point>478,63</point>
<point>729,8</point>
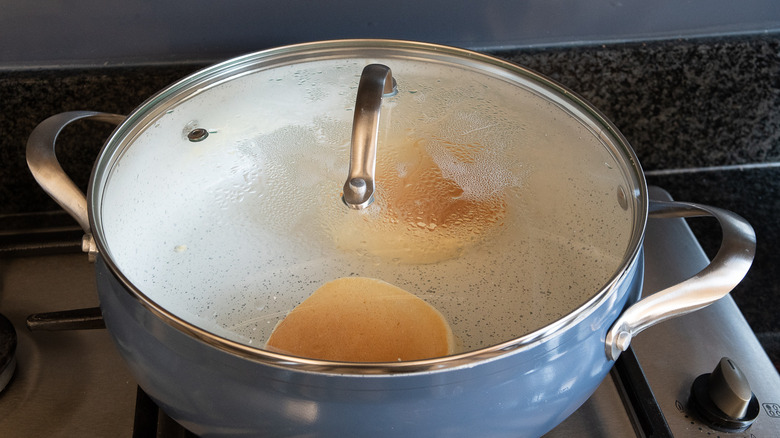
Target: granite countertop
<point>703,116</point>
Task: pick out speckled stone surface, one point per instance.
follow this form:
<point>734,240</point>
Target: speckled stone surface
<point>681,104</point>
<point>686,104</point>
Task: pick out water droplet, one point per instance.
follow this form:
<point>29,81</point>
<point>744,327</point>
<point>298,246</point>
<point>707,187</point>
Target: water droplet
<point>622,198</point>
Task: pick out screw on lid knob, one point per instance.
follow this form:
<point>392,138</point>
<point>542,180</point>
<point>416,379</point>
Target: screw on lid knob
<point>723,399</point>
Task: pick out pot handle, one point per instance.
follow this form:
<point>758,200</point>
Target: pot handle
<point>724,272</point>
<point>42,161</point>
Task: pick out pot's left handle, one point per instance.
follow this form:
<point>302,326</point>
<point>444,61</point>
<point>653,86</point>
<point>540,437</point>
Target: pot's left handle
<point>42,161</point>
<point>725,271</point>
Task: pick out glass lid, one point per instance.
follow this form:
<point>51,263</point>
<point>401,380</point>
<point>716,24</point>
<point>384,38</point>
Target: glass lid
<point>501,204</point>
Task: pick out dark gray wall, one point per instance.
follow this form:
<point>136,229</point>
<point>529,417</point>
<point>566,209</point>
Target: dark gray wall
<point>56,33</point>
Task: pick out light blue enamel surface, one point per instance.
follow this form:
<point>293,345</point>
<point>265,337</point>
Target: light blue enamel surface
<point>525,392</point>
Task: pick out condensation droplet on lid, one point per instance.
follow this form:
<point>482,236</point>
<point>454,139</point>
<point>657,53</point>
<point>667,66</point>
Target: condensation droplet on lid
<point>180,248</point>
<point>622,198</point>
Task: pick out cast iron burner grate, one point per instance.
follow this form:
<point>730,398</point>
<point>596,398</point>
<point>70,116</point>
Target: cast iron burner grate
<point>151,421</point>
<point>148,420</point>
<point>7,352</point>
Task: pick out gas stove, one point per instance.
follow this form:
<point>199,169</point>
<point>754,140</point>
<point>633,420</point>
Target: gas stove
<point>73,383</point>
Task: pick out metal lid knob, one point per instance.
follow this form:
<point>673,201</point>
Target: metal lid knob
<point>376,82</point>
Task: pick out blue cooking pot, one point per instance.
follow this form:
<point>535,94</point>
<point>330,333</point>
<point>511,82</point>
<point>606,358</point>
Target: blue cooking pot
<point>496,195</point>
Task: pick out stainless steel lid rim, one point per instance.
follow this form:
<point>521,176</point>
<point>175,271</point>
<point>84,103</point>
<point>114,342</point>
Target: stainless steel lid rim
<point>205,79</point>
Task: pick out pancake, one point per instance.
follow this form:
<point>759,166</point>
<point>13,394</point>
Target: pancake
<point>358,319</point>
<point>434,199</point>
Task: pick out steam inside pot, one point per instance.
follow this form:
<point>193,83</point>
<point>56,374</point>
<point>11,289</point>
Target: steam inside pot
<point>498,202</point>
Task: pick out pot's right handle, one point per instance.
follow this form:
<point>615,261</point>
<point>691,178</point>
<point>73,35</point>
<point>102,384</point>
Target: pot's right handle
<point>42,161</point>
<point>724,272</point>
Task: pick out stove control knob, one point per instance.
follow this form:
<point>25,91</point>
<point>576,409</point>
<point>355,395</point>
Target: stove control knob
<point>723,399</point>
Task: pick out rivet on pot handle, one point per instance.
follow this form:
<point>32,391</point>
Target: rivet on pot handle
<point>724,272</point>
<point>376,82</point>
<point>42,161</point>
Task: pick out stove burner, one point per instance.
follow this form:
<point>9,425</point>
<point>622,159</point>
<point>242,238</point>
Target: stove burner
<point>7,351</point>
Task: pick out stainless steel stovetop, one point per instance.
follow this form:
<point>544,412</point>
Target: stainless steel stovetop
<point>73,383</point>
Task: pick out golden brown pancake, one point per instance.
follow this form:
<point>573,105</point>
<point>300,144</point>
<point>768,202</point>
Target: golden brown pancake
<point>429,206</point>
<point>357,319</point>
